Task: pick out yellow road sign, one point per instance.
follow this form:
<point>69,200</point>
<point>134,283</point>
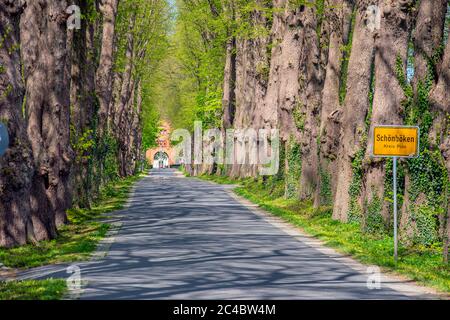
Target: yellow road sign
<point>395,141</point>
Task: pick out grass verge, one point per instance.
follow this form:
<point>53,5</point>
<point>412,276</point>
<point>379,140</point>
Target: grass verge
<point>33,290</point>
<point>423,265</point>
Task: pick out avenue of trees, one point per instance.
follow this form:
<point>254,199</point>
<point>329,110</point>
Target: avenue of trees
<point>325,72</point>
<point>75,103</point>
<point>81,105</point>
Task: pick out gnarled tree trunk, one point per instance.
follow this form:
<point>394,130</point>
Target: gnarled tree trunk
<point>121,117</point>
<point>127,128</point>
<point>82,101</point>
<point>427,38</point>
<point>108,8</point>
<point>44,54</point>
<point>252,65</point>
<point>282,96</point>
<point>229,97</point>
<point>16,167</point>
<point>392,45</point>
<point>356,107</point>
<point>137,129</point>
<point>338,22</point>
<point>427,35</point>
<point>311,85</point>
<point>440,99</point>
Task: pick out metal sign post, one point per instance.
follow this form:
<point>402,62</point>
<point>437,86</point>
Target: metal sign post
<point>395,210</point>
<point>395,142</point>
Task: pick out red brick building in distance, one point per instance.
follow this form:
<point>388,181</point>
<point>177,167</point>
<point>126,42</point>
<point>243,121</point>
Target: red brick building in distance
<point>162,156</point>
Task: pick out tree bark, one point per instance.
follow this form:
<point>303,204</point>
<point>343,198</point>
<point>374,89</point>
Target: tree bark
<point>310,94</point>
<point>440,99</point>
<point>138,129</point>
<point>229,80</point>
<point>283,87</point>
<point>44,54</point>
<point>117,86</point>
<point>82,103</point>
<point>108,8</point>
<point>127,77</point>
<point>121,112</point>
<point>252,63</point>
<point>427,37</point>
<point>338,19</point>
<point>356,107</point>
<point>16,166</point>
<point>229,97</point>
<point>428,34</point>
<point>128,128</point>
<point>392,44</point>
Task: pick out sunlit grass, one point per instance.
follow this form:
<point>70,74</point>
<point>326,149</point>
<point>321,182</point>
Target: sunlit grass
<point>423,265</point>
<point>33,290</point>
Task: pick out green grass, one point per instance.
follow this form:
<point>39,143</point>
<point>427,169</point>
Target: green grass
<point>423,265</point>
<point>33,290</point>
<point>77,240</point>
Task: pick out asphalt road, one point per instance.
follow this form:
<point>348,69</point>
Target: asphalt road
<point>183,238</point>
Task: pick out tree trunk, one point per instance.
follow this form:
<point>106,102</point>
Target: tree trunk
<point>121,116</point>
<point>229,79</point>
<point>428,34</point>
<point>282,96</point>
<point>44,54</point>
<point>128,129</point>
<point>440,99</point>
<point>138,129</point>
<point>356,107</point>
<point>16,166</point>
<point>229,97</point>
<point>252,64</point>
<point>126,78</point>
<point>427,37</point>
<point>108,8</point>
<point>392,45</point>
<point>310,95</point>
<point>117,88</point>
<point>82,103</point>
<point>338,18</point>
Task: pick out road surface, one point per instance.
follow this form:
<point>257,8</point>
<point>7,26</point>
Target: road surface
<point>183,238</point>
